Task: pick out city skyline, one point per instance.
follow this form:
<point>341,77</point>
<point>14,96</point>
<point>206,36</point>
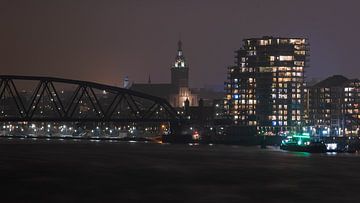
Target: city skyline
<point>78,40</point>
<point>179,100</point>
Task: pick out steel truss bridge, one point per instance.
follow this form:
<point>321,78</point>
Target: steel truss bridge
<point>48,99</point>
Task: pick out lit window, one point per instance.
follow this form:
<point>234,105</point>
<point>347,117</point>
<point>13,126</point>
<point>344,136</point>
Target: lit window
<point>299,52</point>
<point>264,42</point>
<point>286,58</point>
<point>299,63</point>
<point>297,41</point>
<point>252,53</point>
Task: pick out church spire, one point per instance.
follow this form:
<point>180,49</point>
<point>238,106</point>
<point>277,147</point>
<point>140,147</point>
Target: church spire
<point>180,61</point>
<point>180,69</point>
<point>179,45</point>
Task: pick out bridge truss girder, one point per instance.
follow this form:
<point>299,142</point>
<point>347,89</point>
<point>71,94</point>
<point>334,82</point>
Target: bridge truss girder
<point>85,102</point>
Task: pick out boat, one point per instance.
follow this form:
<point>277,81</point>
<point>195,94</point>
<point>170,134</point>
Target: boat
<point>302,143</point>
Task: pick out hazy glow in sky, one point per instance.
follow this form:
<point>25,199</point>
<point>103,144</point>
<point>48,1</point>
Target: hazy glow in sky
<point>104,41</point>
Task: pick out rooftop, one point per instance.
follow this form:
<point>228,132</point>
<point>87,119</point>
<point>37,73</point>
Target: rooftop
<point>333,81</point>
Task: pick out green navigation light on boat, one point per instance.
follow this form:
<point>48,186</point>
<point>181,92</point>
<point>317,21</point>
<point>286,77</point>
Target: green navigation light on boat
<point>301,142</point>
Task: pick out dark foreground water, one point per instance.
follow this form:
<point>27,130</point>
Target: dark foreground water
<point>67,171</point>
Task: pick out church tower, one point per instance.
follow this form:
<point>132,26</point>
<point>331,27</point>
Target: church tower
<point>180,69</point>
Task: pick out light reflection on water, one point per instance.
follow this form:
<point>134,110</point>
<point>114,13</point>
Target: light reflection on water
<point>269,149</point>
<point>301,154</point>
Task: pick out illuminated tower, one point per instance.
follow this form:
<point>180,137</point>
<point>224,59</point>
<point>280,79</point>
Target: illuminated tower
<point>266,86</point>
<point>180,69</point>
<point>126,84</point>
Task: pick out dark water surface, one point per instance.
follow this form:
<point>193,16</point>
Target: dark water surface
<point>68,171</point>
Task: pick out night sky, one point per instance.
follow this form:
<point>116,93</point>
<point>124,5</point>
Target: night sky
<point>103,41</point>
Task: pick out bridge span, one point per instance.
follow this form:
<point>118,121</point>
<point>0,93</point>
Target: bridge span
<point>49,99</point>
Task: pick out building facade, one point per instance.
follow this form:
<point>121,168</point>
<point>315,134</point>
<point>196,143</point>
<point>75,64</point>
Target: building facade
<point>265,88</point>
<point>334,106</point>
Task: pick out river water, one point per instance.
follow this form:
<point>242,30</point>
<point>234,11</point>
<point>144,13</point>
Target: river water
<point>85,171</point>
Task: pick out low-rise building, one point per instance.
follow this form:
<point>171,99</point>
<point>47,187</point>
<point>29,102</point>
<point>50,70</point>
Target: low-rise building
<point>334,106</point>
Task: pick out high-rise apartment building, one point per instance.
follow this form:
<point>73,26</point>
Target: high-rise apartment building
<point>265,88</point>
